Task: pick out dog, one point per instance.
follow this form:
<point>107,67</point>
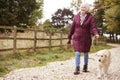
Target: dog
<point>103,59</point>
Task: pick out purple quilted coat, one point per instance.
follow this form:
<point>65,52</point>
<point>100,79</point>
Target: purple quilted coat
<point>82,33</point>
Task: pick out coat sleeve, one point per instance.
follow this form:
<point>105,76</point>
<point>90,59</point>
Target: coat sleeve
<point>72,29</point>
<point>93,26</point>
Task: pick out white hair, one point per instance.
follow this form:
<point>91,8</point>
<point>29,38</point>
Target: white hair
<point>86,5</point>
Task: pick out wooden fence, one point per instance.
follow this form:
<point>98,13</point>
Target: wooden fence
<point>35,39</point>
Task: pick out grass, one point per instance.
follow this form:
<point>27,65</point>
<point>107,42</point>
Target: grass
<point>99,47</point>
<point>39,58</point>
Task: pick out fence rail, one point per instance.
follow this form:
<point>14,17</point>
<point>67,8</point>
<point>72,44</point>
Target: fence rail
<point>35,39</point>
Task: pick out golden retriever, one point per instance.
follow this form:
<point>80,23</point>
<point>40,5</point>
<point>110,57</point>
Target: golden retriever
<point>103,59</point>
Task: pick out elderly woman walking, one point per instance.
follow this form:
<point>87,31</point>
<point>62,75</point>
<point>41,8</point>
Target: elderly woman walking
<point>82,26</point>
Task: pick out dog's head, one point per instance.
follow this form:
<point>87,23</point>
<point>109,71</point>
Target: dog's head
<point>102,55</point>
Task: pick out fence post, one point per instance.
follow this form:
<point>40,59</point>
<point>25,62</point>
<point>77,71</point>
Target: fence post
<point>61,36</point>
<point>14,39</point>
<point>35,39</point>
<point>50,37</point>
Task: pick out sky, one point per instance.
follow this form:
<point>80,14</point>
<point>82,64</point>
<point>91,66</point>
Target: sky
<point>51,6</point>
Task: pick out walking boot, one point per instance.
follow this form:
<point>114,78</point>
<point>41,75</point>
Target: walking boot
<point>77,71</point>
<point>85,68</point>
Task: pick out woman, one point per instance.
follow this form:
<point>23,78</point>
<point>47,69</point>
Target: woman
<point>82,26</point>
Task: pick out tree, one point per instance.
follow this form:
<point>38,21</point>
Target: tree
<point>37,13</point>
<point>112,16</point>
<point>98,14</point>
<point>48,28</point>
<point>47,25</point>
<point>75,5</point>
<point>20,12</point>
<point>62,17</point>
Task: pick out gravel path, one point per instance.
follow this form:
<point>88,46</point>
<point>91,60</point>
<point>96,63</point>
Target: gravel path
<point>63,70</point>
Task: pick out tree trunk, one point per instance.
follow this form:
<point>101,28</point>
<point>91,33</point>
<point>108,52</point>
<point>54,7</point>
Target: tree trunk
<point>113,38</point>
<point>116,38</point>
<point>110,37</point>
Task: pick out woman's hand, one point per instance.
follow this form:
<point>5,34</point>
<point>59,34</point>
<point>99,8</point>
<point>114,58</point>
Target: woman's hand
<point>69,41</point>
<point>97,36</point>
